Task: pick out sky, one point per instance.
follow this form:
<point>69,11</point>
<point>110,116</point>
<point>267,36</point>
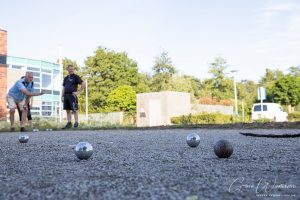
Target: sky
<point>250,35</point>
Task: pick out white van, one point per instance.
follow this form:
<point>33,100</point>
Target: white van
<point>272,111</point>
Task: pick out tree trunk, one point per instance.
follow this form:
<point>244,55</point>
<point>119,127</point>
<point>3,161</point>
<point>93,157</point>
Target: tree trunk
<point>290,108</point>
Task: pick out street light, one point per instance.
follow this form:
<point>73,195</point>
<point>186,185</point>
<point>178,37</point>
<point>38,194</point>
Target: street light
<point>235,92</point>
<point>86,98</point>
<point>243,109</point>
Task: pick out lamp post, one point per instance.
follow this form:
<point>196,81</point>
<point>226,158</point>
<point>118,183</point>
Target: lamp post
<point>86,98</point>
<point>61,82</point>
<point>235,93</point>
<point>243,108</point>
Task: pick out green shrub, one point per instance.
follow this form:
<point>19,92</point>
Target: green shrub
<point>294,116</point>
<point>202,118</point>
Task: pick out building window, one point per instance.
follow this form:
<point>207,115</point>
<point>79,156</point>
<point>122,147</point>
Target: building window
<point>36,79</point>
<point>33,69</point>
<point>46,80</point>
<point>35,108</point>
<point>2,59</point>
<point>47,91</point>
<point>17,66</point>
<point>35,113</point>
<point>46,107</point>
<point>56,92</point>
<point>46,103</point>
<point>47,71</point>
<point>46,113</point>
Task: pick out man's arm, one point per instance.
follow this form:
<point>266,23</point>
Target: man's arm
<point>62,93</point>
<point>30,94</point>
<point>31,102</point>
<point>82,86</point>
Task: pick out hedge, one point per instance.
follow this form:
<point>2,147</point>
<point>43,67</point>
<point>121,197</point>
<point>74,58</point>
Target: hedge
<point>203,118</point>
<point>294,116</point>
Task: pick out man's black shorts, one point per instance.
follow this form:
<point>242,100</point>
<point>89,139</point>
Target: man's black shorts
<point>70,102</point>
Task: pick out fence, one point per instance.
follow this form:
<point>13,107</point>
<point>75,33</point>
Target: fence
<point>115,118</point>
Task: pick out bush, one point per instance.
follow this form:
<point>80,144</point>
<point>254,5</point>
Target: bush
<point>294,116</point>
<point>202,118</point>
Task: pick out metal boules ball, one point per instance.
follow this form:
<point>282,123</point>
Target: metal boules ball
<point>83,150</point>
<point>193,140</point>
<point>223,149</point>
<point>23,138</point>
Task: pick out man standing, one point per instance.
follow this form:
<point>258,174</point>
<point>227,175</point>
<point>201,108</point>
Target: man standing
<point>69,95</point>
<point>17,95</point>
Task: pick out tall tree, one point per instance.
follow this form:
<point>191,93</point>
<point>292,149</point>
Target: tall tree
<point>219,86</point>
<point>163,72</point>
<point>108,70</point>
<point>295,71</point>
<point>217,70</point>
<point>287,91</point>
<point>268,81</point>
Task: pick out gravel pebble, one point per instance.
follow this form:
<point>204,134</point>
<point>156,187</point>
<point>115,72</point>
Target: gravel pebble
<point>149,164</point>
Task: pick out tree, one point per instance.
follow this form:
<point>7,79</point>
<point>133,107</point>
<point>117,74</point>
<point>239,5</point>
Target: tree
<point>123,98</point>
<point>268,81</point>
<point>66,63</point>
<point>143,83</point>
<point>295,71</point>
<point>217,70</point>
<point>287,91</point>
<point>246,91</point>
<point>108,70</point>
<point>163,72</point>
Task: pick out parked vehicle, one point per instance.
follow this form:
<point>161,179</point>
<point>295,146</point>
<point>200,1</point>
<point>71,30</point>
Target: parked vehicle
<point>271,111</point>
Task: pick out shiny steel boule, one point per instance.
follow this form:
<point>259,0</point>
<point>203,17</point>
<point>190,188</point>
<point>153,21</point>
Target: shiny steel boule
<point>223,149</point>
<point>83,150</point>
<point>193,140</point>
<point>23,138</point>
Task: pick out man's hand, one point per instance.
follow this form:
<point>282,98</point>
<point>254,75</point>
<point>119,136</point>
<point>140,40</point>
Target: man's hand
<point>62,98</point>
<point>75,93</point>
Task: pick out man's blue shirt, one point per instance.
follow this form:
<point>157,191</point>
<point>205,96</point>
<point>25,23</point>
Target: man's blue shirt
<point>16,93</point>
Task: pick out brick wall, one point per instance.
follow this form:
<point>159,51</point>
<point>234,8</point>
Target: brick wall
<point>3,74</point>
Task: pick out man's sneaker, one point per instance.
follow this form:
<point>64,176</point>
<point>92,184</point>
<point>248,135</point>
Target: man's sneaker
<point>22,129</point>
<point>75,124</point>
<point>12,129</point>
<point>68,125</point>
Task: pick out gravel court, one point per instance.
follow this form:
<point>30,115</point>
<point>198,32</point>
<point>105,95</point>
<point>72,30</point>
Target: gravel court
<point>149,164</point>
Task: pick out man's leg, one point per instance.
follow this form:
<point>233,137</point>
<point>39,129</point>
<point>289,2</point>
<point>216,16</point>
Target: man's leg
<point>69,115</point>
<point>24,117</point>
<point>67,107</point>
<point>20,114</point>
<point>12,118</point>
<point>12,107</point>
<point>24,110</point>
<point>29,117</point>
<point>69,118</point>
<point>75,109</point>
<point>76,118</point>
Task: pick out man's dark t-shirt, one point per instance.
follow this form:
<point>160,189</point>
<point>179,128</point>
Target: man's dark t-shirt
<point>71,83</point>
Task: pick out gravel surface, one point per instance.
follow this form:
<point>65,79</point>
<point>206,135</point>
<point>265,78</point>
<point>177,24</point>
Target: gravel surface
<point>149,164</point>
